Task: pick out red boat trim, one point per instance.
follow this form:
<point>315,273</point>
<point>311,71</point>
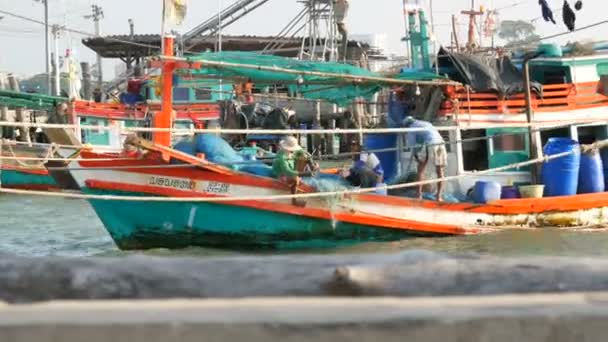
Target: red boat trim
<point>33,187</point>
<point>355,218</point>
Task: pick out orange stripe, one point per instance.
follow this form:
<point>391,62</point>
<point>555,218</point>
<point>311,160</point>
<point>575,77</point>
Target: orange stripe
<point>502,207</point>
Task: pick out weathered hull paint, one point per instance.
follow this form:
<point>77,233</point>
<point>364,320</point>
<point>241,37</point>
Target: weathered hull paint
<point>243,223</point>
<point>146,225</point>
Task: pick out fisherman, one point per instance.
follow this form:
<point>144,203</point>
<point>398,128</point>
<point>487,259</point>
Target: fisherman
<point>341,13</point>
<point>366,171</point>
<point>286,165</point>
<point>430,142</point>
<point>244,91</point>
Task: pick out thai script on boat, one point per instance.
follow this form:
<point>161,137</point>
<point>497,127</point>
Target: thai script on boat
<point>172,183</point>
<point>218,188</point>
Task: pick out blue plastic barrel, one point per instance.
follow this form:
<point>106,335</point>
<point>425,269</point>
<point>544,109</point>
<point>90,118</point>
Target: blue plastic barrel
<point>388,160</point>
<point>485,192</point>
<point>591,174</point>
<point>604,154</point>
<point>560,176</point>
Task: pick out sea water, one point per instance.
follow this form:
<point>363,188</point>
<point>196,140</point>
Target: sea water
<point>39,227</point>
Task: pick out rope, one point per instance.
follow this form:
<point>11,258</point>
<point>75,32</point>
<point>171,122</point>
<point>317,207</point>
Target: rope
<point>20,160</point>
<point>319,157</point>
<point>286,131</point>
<point>584,148</point>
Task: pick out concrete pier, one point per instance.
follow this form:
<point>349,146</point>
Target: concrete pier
<point>409,274</point>
<point>548,318</point>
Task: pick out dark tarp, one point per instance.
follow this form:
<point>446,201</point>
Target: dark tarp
<point>484,74</point>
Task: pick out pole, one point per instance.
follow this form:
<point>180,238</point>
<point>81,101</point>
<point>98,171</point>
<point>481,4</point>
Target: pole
<point>455,33</point>
<point>97,15</point>
<point>97,18</point>
<point>219,39</point>
<point>57,74</point>
<point>164,119</point>
<point>219,26</point>
<point>535,151</point>
<point>47,46</point>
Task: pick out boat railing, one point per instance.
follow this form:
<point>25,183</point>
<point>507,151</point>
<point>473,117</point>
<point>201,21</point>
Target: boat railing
<point>117,111</point>
<point>553,98</point>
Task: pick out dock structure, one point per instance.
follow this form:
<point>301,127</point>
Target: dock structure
<point>531,318</point>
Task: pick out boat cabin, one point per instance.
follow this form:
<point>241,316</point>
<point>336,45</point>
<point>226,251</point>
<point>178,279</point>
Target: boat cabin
<point>490,129</point>
<point>194,105</point>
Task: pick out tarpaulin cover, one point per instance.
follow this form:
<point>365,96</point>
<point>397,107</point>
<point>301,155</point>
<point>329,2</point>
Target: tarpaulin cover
<point>485,74</point>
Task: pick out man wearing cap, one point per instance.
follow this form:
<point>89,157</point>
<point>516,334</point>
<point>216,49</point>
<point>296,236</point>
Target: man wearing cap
<point>284,165</point>
<point>428,143</point>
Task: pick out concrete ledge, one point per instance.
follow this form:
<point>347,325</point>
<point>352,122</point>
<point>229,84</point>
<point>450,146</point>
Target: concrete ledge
<point>552,318</point>
<point>409,274</point>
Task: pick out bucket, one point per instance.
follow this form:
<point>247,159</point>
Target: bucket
<point>485,192</point>
<point>509,192</point>
<point>531,191</point>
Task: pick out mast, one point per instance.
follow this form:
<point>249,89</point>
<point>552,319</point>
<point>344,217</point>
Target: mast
<point>473,14</point>
<point>164,119</point>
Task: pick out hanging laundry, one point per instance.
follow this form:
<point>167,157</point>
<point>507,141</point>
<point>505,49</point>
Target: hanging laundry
<point>578,5</point>
<point>569,16</point>
<point>547,12</point>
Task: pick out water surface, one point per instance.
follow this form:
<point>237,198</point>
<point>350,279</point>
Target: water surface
<point>40,226</point>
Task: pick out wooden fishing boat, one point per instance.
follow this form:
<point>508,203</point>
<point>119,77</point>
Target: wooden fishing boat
<point>247,222</point>
<point>21,170</point>
<point>23,166</point>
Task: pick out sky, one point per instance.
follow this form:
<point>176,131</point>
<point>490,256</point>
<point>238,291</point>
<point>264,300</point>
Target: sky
<point>23,42</point>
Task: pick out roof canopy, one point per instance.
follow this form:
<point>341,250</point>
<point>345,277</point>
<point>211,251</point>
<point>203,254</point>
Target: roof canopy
<point>144,45</point>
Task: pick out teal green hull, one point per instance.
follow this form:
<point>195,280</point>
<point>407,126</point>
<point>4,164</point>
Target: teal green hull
<point>147,225</point>
<point>22,180</point>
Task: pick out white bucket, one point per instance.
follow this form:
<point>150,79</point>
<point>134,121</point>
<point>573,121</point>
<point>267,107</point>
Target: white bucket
<point>531,191</point>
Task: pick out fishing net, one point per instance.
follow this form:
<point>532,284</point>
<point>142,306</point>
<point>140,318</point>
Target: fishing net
<point>333,89</point>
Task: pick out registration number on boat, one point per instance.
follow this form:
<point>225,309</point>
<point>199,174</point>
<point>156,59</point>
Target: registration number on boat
<point>218,188</point>
<point>172,183</point>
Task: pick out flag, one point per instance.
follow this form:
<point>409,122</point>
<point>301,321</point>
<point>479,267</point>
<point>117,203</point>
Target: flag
<point>175,11</point>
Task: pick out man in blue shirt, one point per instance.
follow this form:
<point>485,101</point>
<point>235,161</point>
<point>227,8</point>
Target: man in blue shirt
<point>425,144</point>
